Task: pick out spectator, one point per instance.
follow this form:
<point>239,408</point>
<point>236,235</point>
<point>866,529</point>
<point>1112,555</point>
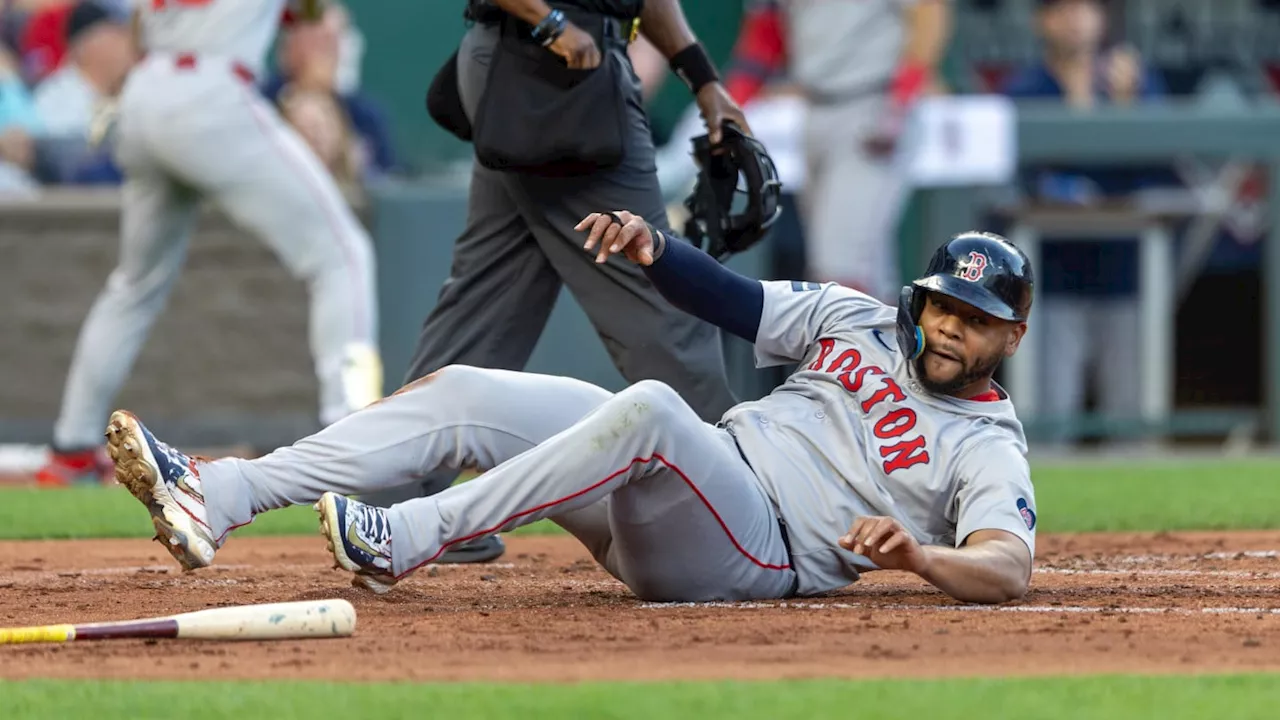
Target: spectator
<point>310,59</point>
<point>18,124</point>
<point>100,52</point>
<point>42,39</point>
<point>322,123</point>
<point>1089,312</point>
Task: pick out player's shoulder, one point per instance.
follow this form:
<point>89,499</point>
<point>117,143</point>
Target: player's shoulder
<point>826,290</point>
<point>992,444</point>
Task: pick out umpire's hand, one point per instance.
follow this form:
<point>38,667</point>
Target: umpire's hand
<point>618,231</point>
<point>577,47</point>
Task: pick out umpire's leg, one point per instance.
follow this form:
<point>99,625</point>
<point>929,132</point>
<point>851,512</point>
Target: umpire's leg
<point>496,301</point>
<point>645,336</point>
<point>490,313</point>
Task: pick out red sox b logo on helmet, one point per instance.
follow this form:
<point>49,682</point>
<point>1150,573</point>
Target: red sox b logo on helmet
<point>972,270</point>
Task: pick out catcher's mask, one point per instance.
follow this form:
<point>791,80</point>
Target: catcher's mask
<point>726,216</point>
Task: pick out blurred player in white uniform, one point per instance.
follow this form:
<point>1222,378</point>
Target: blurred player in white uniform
<point>860,65</point>
<point>191,126</point>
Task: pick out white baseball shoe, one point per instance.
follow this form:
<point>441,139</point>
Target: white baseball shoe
<point>359,536</point>
<point>166,481</point>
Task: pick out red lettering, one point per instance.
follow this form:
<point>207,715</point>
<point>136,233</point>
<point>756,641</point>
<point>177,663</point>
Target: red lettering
<point>827,345</point>
<point>856,385</point>
<point>889,389</point>
<point>905,454</point>
<point>848,360</point>
<point>896,423</point>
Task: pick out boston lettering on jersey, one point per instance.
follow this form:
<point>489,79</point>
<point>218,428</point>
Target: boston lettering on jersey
<point>898,452</point>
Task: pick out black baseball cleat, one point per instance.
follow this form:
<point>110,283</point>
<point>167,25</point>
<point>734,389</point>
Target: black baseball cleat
<point>480,550</point>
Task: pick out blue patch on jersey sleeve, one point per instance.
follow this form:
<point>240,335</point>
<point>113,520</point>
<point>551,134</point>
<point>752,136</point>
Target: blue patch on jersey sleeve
<point>802,286</point>
<point>1028,515</point>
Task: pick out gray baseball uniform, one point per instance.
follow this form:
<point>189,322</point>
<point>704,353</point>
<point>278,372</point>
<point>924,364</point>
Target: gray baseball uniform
<point>676,508</point>
<point>192,125</point>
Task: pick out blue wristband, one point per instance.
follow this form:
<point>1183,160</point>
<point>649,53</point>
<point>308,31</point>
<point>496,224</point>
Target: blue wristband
<point>551,27</point>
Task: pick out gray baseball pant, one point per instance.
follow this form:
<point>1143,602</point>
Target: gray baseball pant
<point>662,500</point>
<point>852,200</point>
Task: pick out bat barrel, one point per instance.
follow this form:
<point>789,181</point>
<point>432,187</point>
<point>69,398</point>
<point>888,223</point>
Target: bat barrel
<point>271,621</point>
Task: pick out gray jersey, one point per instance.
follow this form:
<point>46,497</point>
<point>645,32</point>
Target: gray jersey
<point>241,30</point>
<point>838,47</point>
<point>850,434</point>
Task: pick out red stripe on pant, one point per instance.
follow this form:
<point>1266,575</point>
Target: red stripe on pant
<point>671,466</point>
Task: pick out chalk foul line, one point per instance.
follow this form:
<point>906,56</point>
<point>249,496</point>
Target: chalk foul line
<point>1045,609</point>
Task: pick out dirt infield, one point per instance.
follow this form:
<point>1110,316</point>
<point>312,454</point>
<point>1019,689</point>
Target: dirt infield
<point>1124,603</point>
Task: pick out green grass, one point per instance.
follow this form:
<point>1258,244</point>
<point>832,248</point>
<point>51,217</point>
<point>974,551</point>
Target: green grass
<point>1166,697</point>
<point>100,512</point>
<point>1152,496</point>
<point>1186,495</point>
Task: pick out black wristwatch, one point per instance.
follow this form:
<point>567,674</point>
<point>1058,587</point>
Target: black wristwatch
<point>551,27</point>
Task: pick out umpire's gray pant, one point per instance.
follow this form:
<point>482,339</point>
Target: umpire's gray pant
<point>519,247</point>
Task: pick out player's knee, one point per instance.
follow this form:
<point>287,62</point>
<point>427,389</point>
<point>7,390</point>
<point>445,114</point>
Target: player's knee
<point>459,377</point>
<point>655,403</point>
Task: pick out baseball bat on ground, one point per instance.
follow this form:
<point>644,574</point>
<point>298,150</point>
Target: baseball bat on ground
<point>271,621</point>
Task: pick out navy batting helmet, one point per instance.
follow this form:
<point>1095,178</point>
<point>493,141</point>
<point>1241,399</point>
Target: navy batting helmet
<point>981,269</point>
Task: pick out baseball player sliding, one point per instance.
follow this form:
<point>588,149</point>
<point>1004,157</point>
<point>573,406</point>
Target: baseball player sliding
<point>889,448</point>
<point>192,126</point>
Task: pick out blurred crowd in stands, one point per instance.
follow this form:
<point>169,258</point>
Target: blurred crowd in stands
<point>62,60</point>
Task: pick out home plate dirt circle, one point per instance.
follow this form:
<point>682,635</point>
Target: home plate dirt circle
<point>1185,602</point>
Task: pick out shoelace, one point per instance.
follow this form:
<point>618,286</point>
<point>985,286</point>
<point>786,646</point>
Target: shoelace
<point>372,523</point>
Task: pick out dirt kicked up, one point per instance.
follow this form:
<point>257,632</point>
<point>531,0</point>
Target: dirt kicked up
<point>1195,602</point>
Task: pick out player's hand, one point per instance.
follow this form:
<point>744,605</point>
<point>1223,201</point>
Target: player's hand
<point>882,141</point>
<point>716,107</point>
<point>631,238</point>
<point>1123,71</point>
<point>577,47</point>
<point>886,543</point>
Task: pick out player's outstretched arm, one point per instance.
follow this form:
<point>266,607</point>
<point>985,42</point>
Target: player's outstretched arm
<point>992,566</point>
<point>687,277</point>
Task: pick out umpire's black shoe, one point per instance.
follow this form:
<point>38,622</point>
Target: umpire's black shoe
<point>480,550</point>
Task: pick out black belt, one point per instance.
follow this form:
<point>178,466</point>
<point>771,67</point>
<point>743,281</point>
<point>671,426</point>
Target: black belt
<point>786,543</point>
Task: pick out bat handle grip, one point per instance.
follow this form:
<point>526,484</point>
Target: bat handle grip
<point>43,634</point>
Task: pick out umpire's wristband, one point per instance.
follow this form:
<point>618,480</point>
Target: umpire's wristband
<point>550,29</point>
<point>694,67</point>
